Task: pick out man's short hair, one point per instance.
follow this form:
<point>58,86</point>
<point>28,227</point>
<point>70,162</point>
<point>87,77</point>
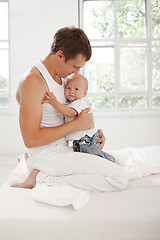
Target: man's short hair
<point>72,41</point>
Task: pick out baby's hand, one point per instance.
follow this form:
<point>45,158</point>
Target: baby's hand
<point>49,97</point>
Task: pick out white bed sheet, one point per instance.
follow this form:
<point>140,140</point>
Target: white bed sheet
<point>131,214</point>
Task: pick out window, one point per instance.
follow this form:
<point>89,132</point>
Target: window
<point>124,71</point>
<point>4,55</point>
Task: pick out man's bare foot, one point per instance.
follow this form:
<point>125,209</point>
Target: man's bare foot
<point>30,182</point>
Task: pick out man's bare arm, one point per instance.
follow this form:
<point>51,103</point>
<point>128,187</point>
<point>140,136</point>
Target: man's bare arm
<point>31,96</point>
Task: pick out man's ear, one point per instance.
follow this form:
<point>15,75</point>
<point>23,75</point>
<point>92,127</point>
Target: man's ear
<point>59,54</point>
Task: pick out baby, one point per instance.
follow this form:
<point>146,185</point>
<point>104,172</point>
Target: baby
<point>76,92</point>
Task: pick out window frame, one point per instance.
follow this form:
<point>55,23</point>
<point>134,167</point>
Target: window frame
<point>7,92</point>
<point>116,45</point>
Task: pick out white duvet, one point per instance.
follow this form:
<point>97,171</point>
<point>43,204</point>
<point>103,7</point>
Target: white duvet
<point>68,178</point>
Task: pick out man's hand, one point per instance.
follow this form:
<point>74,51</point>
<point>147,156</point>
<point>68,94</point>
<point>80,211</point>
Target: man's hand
<point>85,120</point>
<point>101,140</point>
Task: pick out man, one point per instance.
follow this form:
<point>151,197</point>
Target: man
<point>69,52</point>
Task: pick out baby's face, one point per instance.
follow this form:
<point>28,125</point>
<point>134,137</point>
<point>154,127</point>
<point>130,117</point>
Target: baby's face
<point>75,89</point>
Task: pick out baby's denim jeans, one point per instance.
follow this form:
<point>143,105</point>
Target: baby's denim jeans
<point>88,145</point>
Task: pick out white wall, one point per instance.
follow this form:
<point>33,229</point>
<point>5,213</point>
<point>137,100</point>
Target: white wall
<point>32,26</point>
<point>129,131</point>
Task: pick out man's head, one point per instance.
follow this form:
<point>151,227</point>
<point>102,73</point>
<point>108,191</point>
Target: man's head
<point>72,42</point>
<point>76,88</point>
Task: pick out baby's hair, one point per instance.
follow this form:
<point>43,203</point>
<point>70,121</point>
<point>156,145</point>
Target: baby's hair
<point>85,81</point>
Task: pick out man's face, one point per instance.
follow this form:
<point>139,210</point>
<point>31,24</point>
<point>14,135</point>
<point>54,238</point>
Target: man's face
<point>72,66</point>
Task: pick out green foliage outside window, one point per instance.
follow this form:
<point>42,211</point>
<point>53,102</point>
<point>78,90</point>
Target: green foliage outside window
<point>138,102</point>
<point>155,18</point>
<point>131,17</point>
<point>101,102</point>
<point>156,67</point>
<point>103,18</point>
<point>105,82</point>
<point>156,102</point>
<point>3,83</point>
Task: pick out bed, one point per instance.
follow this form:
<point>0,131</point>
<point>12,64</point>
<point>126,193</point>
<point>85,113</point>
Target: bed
<point>131,214</point>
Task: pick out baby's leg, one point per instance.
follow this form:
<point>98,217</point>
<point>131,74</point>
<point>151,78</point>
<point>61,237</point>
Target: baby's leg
<point>30,182</point>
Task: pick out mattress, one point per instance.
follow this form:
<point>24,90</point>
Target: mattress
<point>131,214</point>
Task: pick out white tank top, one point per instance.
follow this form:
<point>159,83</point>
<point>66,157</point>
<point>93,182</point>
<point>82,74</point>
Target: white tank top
<point>50,116</point>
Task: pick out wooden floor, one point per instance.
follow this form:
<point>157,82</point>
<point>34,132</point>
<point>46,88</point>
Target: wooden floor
<point>7,165</point>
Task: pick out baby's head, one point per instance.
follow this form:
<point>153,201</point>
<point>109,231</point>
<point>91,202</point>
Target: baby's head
<point>76,88</point>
